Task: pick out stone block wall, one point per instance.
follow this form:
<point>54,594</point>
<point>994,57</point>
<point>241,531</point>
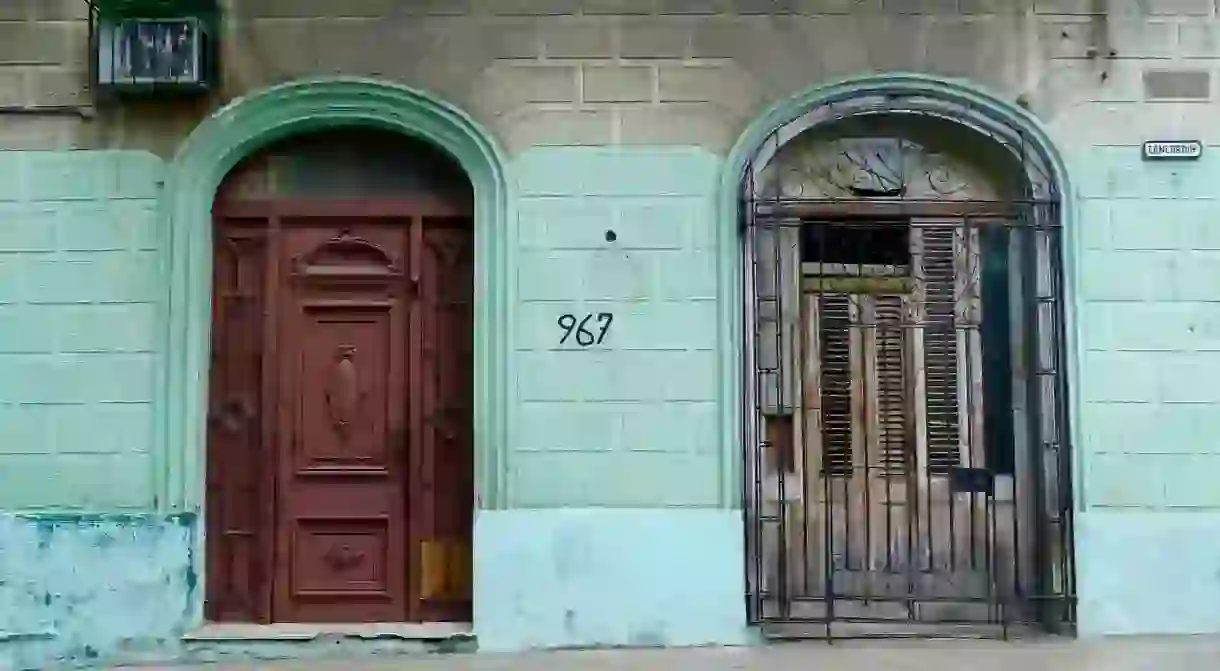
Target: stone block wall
<point>630,421</point>
<point>643,72</point>
<point>79,297</point>
<point>615,115</point>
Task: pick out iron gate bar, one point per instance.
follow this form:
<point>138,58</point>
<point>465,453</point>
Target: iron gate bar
<point>942,504</point>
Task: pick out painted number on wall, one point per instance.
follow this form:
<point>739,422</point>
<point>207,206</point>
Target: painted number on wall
<point>585,331</point>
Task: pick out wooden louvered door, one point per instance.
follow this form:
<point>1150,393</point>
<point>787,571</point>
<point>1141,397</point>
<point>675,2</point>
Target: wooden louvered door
<point>892,388</point>
<point>861,388</point>
<point>966,520</point>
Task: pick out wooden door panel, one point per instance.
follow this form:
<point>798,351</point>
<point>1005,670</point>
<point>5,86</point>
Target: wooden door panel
<point>442,494</point>
<point>340,457</point>
<point>351,361</point>
<point>342,557</point>
<point>343,399</point>
<point>895,385</point>
<point>238,585</point>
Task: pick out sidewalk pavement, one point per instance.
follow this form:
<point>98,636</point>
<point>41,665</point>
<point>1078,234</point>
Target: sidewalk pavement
<point>1186,653</point>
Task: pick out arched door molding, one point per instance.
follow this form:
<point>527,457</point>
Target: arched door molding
<point>242,128</point>
<point>830,393</point>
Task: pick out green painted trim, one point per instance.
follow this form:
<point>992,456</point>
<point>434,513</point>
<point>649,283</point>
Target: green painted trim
<point>243,127</point>
<point>730,261</point>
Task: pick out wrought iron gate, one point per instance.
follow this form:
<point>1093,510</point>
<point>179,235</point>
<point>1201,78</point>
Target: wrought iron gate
<point>907,469</point>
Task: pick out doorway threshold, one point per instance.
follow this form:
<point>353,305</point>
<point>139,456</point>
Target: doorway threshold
<point>289,632</point>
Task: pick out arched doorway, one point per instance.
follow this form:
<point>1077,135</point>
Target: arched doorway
<point>339,464</point>
<point>907,468</point>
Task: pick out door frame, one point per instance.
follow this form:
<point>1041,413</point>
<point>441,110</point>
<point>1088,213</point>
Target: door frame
<point>895,93</point>
<point>267,536</point>
<point>185,239</point>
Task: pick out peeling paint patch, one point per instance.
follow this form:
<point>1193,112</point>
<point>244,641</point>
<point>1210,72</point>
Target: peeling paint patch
<point>85,589</point>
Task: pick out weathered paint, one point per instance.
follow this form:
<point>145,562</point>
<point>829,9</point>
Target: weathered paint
<point>588,577</point>
<point>93,588</point>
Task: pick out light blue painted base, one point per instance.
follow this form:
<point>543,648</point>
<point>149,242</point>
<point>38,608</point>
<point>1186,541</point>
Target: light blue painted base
<point>89,590</point>
<point>561,578</point>
<point>1148,572</point>
<point>122,588</point>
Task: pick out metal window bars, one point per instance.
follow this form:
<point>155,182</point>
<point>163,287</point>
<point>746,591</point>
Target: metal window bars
<point>907,471</point>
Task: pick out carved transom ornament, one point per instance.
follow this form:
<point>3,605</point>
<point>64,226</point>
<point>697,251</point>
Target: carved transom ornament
<point>867,167</point>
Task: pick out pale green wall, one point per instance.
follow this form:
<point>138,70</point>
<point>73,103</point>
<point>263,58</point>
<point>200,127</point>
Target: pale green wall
<point>1149,425</point>
<point>78,285</point>
<point>633,422</point>
<point>1150,325</point>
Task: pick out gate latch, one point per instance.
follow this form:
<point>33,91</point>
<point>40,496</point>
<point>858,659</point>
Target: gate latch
<point>972,480</point>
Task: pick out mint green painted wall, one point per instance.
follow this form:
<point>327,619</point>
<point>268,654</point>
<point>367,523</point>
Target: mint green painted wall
<point>633,422</point>
<point>1149,425</point>
<point>630,423</point>
<point>1150,325</point>
<point>78,283</point>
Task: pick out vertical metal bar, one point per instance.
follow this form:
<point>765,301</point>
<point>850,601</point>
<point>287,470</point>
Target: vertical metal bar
<point>885,456</point>
<point>910,325</point>
<point>830,478</point>
<point>1034,407</point>
<point>758,437</point>
<point>1064,506</point>
<point>1013,243</point>
<point>956,387</point>
<point>1067,494</point>
<point>751,589</point>
<point>781,390</point>
<point>866,312</point>
<point>990,507</point>
<point>800,409</point>
<point>752,445</point>
<point>972,265</point>
<point>1028,336</point>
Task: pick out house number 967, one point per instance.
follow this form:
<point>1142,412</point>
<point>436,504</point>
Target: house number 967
<point>587,331</point>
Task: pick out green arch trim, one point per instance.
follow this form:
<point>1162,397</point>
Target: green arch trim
<point>730,271</point>
<point>243,127</point>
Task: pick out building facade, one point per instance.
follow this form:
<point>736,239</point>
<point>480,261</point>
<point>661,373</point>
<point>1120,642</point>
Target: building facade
<point>565,323</point>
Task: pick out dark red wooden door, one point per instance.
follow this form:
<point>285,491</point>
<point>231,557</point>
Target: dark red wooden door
<point>340,465</point>
<point>442,522</point>
<point>238,470</point>
<point>343,435</point>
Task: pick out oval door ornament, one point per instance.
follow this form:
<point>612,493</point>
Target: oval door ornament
<point>343,391</point>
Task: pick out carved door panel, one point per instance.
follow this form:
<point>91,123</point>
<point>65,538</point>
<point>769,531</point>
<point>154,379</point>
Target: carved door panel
<point>341,552</point>
<point>238,585</point>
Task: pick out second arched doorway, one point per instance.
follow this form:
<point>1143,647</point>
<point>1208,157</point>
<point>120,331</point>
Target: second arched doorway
<point>907,463</point>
